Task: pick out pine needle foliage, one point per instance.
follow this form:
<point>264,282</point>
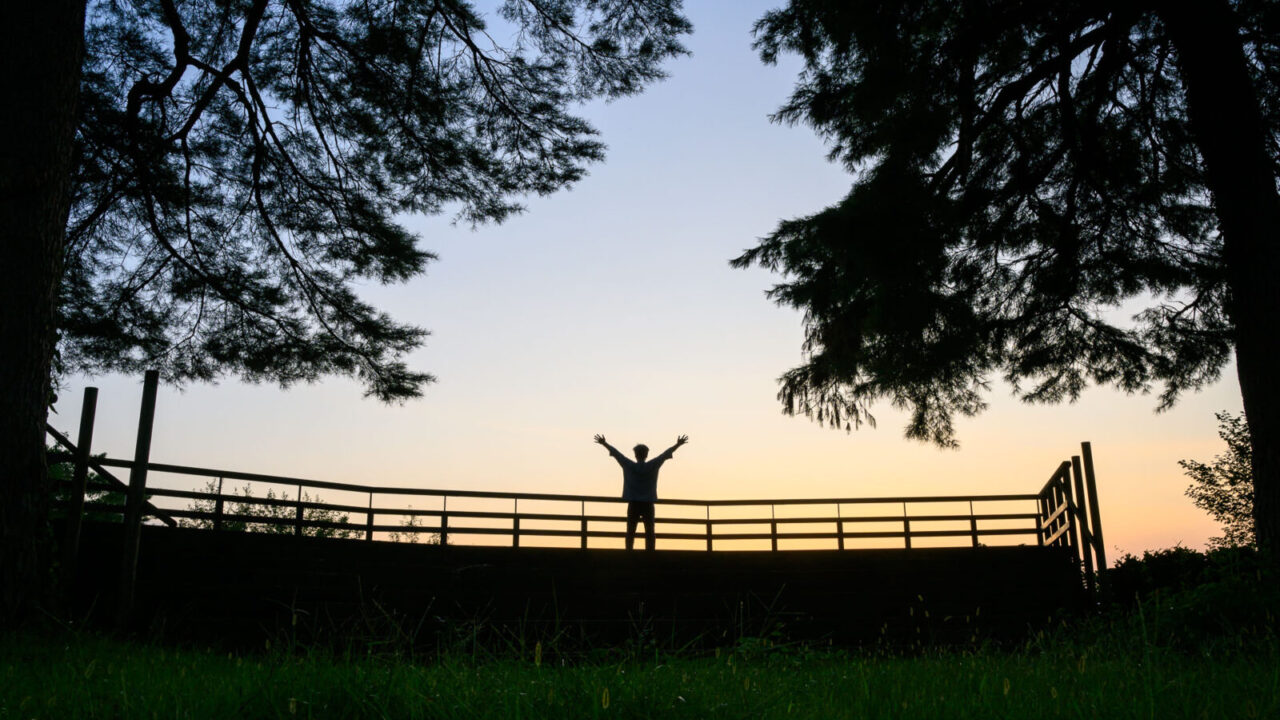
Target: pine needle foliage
<point>1025,176</point>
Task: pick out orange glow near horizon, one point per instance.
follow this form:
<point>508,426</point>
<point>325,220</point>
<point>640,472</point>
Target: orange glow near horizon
<point>738,454</point>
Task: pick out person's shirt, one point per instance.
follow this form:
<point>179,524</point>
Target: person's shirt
<point>640,479</point>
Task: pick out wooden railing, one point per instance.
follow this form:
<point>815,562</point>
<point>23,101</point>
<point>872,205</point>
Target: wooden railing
<point>1063,514</point>
<point>1051,517</point>
<point>587,519</point>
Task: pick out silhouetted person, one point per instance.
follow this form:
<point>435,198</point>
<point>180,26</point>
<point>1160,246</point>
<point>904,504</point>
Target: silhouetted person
<point>640,486</point>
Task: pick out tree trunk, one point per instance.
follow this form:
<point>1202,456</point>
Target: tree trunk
<point>1226,117</point>
<point>41,46</point>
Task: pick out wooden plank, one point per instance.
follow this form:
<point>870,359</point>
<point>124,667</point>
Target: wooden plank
<point>389,490</point>
<point>134,502</point>
<point>1056,514</point>
<point>79,478</point>
<point>1077,476</point>
<point>1056,534</point>
<point>1091,486</point>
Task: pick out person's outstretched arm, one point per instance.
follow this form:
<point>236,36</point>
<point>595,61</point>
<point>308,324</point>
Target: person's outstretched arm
<point>666,454</point>
<point>613,451</point>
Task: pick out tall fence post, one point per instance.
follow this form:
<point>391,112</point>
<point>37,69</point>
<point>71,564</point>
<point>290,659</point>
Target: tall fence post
<point>584,524</point>
<point>1086,450</point>
<point>515,523</point>
<point>75,511</point>
<point>137,493</point>
<point>906,527</point>
<point>973,524</point>
<point>839,528</point>
<point>708,528</point>
<point>1086,535</point>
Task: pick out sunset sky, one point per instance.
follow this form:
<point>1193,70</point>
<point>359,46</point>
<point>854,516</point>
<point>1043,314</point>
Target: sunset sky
<point>611,308</point>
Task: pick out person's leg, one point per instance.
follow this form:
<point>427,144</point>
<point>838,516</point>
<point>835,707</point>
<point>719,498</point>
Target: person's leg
<point>632,517</point>
<point>648,527</point>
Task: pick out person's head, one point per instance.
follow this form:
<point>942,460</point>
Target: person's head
<point>642,452</point>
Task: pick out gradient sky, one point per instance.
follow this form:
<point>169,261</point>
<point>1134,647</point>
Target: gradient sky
<point>611,308</point>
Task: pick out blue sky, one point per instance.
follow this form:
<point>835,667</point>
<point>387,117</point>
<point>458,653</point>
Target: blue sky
<point>611,308</point>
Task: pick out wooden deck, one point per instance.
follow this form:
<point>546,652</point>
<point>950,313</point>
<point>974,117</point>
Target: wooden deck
<point>246,588</point>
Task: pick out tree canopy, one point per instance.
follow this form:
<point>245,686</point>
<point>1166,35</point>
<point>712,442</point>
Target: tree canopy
<point>240,167</point>
<point>1024,173</point>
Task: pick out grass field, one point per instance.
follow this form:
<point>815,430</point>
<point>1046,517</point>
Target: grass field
<point>1184,635</point>
<point>90,676</point>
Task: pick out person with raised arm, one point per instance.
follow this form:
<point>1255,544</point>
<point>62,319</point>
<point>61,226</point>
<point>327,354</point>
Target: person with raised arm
<point>640,485</point>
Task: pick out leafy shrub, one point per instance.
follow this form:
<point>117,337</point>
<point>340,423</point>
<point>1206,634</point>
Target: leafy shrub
<point>279,518</point>
<point>1226,598</point>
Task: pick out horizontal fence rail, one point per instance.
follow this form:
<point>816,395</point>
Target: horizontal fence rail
<point>585,521</point>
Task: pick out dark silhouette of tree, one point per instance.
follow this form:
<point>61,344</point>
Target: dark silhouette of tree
<point>1024,171</point>
<point>200,186</point>
<point>1224,489</point>
<point>61,473</point>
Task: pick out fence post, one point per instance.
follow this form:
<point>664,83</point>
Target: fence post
<point>584,524</point>
<point>217,508</point>
<point>444,520</point>
<point>1095,517</point>
<point>515,523</point>
<point>773,528</point>
<point>297,516</point>
<point>708,528</point>
<point>75,511</point>
<point>137,491</point>
<point>368,521</point>
<point>839,528</point>
<point>973,524</point>
<point>1042,504</point>
<point>906,526</point>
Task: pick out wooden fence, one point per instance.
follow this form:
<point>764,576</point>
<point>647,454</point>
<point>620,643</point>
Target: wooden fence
<point>1063,513</point>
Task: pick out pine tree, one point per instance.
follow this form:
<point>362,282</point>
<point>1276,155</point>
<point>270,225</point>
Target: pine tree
<point>1022,171</point>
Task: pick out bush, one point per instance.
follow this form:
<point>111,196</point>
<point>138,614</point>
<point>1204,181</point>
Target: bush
<point>282,515</point>
<point>1224,599</point>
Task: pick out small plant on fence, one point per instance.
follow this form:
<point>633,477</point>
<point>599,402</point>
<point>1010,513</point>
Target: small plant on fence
<point>274,519</point>
<point>60,475</point>
<point>411,532</point>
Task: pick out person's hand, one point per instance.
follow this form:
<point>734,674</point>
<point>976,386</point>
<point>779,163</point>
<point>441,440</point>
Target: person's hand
<point>600,439</point>
<point>682,440</point>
